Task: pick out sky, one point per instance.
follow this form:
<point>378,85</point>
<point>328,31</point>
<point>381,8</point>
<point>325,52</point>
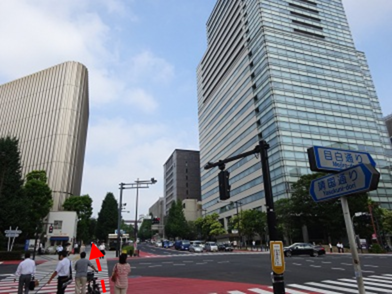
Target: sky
<point>142,57</point>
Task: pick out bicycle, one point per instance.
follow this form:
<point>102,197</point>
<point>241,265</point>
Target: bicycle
<point>92,286</point>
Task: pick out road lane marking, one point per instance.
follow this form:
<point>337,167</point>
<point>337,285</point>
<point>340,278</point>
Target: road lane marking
<point>291,291</point>
<point>371,283</point>
<point>368,271</point>
<point>308,260</point>
<point>315,265</point>
<point>155,265</point>
<point>201,263</point>
<point>145,263</point>
<point>381,277</point>
<point>167,261</point>
<point>346,263</point>
<point>356,286</point>
<point>377,280</point>
<point>236,292</point>
<point>178,264</point>
<point>297,263</point>
<point>226,261</point>
<point>187,261</point>
<point>368,265</point>
<point>313,289</point>
<point>326,262</point>
<point>334,287</point>
<point>338,268</point>
<point>259,291</point>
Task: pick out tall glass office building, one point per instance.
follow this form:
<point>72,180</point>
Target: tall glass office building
<point>286,71</point>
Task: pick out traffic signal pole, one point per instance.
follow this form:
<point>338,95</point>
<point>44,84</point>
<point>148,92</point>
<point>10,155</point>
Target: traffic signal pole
<point>262,149</point>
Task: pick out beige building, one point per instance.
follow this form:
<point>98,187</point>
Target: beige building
<point>48,113</point>
<point>192,209</point>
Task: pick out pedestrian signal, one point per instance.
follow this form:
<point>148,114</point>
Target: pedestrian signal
<point>50,229</point>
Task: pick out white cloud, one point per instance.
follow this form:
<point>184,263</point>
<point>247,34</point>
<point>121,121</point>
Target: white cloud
<point>141,99</point>
<point>147,66</point>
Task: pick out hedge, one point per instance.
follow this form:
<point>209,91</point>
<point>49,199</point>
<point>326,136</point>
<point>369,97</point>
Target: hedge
<point>13,255</point>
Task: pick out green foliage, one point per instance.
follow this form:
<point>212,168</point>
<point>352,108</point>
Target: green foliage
<point>251,222</point>
<point>376,248</point>
<point>13,210</point>
<point>14,255</point>
<point>92,228</point>
<point>386,220</point>
<point>83,207</point>
<point>324,218</point>
<point>176,225</point>
<point>129,249</point>
<point>209,226</point>
<point>39,196</point>
<point>107,217</point>
<point>145,231</point>
<point>192,231</point>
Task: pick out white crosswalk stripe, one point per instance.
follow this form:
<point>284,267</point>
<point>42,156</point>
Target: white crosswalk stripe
<point>8,286</point>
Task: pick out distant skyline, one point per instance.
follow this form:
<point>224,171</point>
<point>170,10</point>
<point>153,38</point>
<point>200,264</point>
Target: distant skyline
<point>142,58</point>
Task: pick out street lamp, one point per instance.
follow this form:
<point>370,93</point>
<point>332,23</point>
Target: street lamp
<point>136,185</point>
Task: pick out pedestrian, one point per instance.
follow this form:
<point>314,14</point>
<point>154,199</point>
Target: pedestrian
<point>63,271</point>
<point>102,249</point>
<point>338,246</point>
<point>82,248</point>
<point>330,248</point>
<point>40,249</point>
<point>25,272</point>
<point>76,248</point>
<point>253,245</point>
<point>121,271</point>
<point>342,247</point>
<point>81,267</point>
<point>59,249</point>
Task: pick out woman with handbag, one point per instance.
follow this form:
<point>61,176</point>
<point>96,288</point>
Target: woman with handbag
<point>120,275</point>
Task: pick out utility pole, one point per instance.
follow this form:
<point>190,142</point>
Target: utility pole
<point>262,149</point>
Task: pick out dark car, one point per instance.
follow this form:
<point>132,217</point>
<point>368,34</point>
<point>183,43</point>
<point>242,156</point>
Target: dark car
<point>166,244</point>
<point>182,245</point>
<point>225,247</point>
<point>303,249</point>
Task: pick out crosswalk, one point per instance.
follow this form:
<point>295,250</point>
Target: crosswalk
<point>374,284</point>
<point>8,286</point>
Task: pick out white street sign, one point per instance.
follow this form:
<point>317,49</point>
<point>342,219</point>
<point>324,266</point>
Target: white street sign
<point>13,231</point>
<point>12,235</point>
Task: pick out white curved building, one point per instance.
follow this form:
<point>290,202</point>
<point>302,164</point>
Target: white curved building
<point>48,112</point>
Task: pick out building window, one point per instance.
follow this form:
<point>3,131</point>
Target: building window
<point>183,205</point>
<point>57,225</point>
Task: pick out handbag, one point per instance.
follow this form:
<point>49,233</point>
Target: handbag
<point>33,283</point>
<point>114,274</point>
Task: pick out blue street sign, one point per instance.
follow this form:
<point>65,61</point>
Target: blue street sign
<point>357,179</point>
<point>335,160</point>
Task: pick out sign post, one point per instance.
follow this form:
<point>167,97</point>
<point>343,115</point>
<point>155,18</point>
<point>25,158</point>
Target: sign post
<point>353,172</point>
<point>11,234</point>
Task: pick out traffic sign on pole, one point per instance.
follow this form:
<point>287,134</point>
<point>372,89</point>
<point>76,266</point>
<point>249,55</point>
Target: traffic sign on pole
<point>326,159</point>
<point>13,231</point>
<point>12,235</point>
<point>277,257</point>
<point>357,179</point>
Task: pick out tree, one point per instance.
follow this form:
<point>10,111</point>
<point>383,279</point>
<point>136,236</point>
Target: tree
<point>145,231</point>
<point>13,209</point>
<point>209,226</point>
<point>83,207</point>
<point>107,217</point>
<point>93,228</point>
<point>324,219</point>
<point>253,222</point>
<point>176,225</point>
<point>38,196</point>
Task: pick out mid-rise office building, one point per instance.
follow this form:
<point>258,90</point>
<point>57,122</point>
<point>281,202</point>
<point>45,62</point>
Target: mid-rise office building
<point>388,123</point>
<point>181,177</point>
<point>48,113</point>
<point>288,72</point>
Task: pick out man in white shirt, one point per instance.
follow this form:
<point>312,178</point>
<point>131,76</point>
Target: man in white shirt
<point>25,270</point>
<point>102,249</point>
<point>59,249</point>
<point>63,271</point>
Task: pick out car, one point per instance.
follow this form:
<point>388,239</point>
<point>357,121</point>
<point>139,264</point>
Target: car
<point>198,242</point>
<point>225,247</point>
<point>182,245</point>
<point>165,244</point>
<point>50,250</point>
<point>303,249</point>
<point>211,247</point>
<point>195,248</point>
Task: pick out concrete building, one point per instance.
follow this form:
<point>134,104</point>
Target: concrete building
<point>157,211</point>
<point>63,227</point>
<point>181,177</point>
<point>192,209</point>
<point>388,123</point>
<point>48,113</point>
<point>287,72</point>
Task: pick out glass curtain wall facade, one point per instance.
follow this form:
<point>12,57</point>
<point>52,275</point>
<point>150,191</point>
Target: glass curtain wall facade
<point>286,71</point>
<point>48,113</point>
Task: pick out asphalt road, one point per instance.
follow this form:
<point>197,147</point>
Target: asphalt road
<point>252,268</point>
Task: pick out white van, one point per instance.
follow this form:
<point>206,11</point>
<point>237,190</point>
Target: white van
<point>198,242</point>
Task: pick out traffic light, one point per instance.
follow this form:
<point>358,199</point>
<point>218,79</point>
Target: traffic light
<point>224,185</point>
<point>50,229</point>
<point>155,220</point>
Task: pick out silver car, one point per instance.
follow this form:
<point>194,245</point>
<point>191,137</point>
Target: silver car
<point>195,248</point>
<point>211,247</point>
